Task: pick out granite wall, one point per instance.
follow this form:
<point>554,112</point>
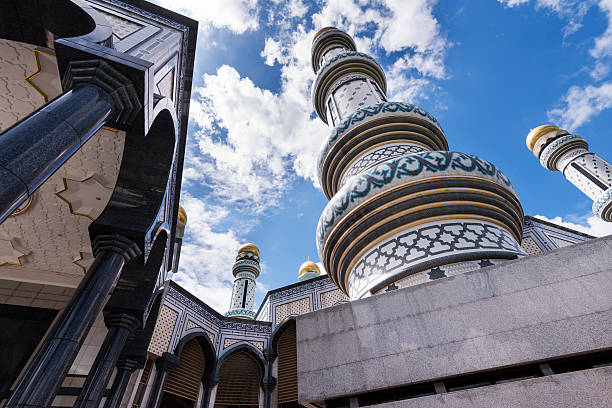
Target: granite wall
<point>532,309</point>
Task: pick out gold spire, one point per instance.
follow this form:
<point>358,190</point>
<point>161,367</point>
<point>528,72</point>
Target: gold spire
<point>537,133</point>
<point>182,215</point>
<point>309,266</point>
<point>250,247</point>
<point>321,31</point>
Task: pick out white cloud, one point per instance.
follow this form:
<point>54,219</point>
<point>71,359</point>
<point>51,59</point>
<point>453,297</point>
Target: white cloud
<point>588,224</point>
<point>513,3</point>
<point>237,15</point>
<point>580,104</point>
<point>207,254</point>
<point>603,44</point>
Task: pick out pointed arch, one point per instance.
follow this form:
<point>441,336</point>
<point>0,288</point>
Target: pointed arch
<point>240,373</point>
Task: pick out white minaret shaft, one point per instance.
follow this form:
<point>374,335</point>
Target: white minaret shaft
<point>558,150</point>
<point>246,269</point>
<point>242,295</point>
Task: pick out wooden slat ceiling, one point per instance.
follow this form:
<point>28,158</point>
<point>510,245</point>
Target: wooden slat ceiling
<point>239,379</point>
<point>184,380</point>
<point>287,366</point>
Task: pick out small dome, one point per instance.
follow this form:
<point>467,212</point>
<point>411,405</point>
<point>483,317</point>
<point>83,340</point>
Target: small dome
<point>537,133</point>
<point>250,247</point>
<point>182,215</point>
<point>321,31</point>
<point>308,270</point>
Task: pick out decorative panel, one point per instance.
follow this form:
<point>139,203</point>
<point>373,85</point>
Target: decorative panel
<point>229,342</point>
<point>530,246</point>
<point>297,307</point>
<point>163,330</point>
<point>333,297</point>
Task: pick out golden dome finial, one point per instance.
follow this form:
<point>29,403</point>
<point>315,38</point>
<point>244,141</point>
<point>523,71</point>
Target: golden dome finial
<point>537,133</point>
<point>308,267</point>
<point>321,31</point>
<point>250,247</point>
<point>182,215</point>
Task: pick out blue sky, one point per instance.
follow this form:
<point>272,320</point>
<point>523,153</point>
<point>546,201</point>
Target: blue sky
<point>488,70</point>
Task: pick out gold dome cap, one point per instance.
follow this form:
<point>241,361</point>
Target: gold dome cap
<point>182,215</point>
<point>250,247</point>
<point>537,133</point>
<point>309,267</point>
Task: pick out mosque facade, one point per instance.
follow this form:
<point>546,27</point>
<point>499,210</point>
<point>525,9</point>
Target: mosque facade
<point>436,291</point>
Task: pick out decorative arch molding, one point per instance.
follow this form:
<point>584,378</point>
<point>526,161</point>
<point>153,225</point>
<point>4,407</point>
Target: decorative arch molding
<point>210,356</point>
<point>276,335</point>
<point>142,182</point>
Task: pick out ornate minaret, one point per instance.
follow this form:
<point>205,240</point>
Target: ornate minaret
<point>558,150</point>
<point>403,209</point>
<point>245,270</point>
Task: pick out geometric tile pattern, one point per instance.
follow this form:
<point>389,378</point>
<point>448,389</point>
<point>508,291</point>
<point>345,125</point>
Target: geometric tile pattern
<point>530,246</point>
<point>229,342</point>
<point>163,331</point>
<point>333,297</point>
<point>193,325</point>
<point>427,242</point>
<point>295,308</point>
<point>379,155</point>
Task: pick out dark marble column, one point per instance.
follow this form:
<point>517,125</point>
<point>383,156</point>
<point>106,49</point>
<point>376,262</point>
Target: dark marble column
<point>120,326</point>
<point>208,384</point>
<point>47,370</point>
<point>269,381</point>
<point>163,365</point>
<point>125,368</point>
<point>34,148</point>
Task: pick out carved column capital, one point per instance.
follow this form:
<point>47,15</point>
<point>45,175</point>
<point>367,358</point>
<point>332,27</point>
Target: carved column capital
<point>126,103</point>
<point>125,247</point>
<point>121,320</point>
<point>128,364</point>
<point>167,362</point>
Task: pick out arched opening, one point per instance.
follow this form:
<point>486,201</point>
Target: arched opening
<point>183,383</point>
<point>287,385</point>
<point>239,381</point>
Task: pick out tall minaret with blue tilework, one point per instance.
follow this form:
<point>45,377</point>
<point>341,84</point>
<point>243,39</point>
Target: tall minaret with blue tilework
<point>246,269</point>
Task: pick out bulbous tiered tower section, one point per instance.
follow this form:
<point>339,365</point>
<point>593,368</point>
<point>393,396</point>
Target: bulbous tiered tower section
<point>403,209</point>
<point>558,150</point>
<point>246,269</point>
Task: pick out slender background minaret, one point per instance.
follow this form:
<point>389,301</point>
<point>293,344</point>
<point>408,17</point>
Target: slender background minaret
<point>558,150</point>
<point>246,270</point>
<point>403,209</point>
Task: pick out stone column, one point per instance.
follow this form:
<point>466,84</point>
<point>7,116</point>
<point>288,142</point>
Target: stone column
<point>125,368</point>
<point>166,363</point>
<point>35,147</point>
<point>269,381</point>
<point>558,150</point>
<point>209,385</point>
<point>47,370</point>
<point>120,326</point>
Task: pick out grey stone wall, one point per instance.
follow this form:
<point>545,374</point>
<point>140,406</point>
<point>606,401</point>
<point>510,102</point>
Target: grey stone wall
<point>588,388</point>
<point>532,309</point>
